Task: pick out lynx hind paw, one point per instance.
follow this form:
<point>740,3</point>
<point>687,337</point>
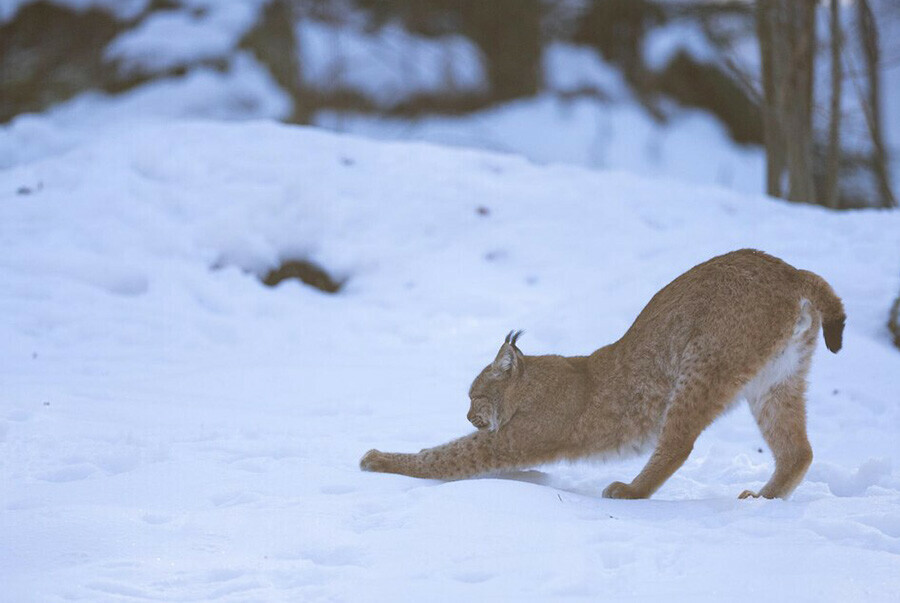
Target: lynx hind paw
<point>373,460</point>
<point>620,490</point>
<point>748,494</point>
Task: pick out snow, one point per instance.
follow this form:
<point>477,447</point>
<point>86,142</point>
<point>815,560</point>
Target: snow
<point>662,44</point>
<point>572,68</point>
<point>123,9</point>
<point>583,131</point>
<point>389,65</point>
<point>171,429</point>
<point>587,117</point>
<point>245,91</point>
<point>168,39</point>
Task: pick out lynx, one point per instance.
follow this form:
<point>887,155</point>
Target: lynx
<point>739,326</point>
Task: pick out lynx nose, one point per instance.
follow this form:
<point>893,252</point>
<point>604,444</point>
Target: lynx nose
<point>476,419</point>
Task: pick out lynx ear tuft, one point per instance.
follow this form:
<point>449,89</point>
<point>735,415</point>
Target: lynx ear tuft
<point>509,357</point>
<point>513,336</point>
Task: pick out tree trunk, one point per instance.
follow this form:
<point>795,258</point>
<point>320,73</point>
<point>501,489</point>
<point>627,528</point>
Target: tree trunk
<point>797,111</point>
<point>894,321</point>
<point>274,44</point>
<point>786,30</point>
<point>765,19</point>
<point>832,161</point>
<point>868,32</point>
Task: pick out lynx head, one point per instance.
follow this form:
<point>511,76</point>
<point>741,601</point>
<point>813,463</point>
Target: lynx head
<point>488,392</point>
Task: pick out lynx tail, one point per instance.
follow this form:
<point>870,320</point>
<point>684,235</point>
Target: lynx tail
<point>829,305</point>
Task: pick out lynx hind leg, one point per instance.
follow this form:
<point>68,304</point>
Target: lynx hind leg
<point>777,398</point>
<point>781,416</point>
<point>695,403</point>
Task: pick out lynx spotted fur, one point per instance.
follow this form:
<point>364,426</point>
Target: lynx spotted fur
<point>741,325</point>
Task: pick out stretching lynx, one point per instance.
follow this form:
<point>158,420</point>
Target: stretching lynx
<point>741,325</point>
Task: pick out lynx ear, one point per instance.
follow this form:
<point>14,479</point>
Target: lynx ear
<point>509,358</point>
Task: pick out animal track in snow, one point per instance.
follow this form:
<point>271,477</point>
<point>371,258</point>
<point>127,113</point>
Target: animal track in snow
<point>20,414</point>
<point>472,576</point>
<point>334,556</point>
<point>122,590</point>
<point>250,465</point>
<point>233,498</point>
<point>337,489</point>
<point>886,523</point>
<point>156,519</point>
<point>232,588</point>
<point>70,473</point>
<point>842,482</point>
<point>119,461</point>
<point>859,534</point>
<point>376,516</point>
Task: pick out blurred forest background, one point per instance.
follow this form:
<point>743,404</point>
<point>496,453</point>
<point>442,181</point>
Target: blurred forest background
<point>794,98</point>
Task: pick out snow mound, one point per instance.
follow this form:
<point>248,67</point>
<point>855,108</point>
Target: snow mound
<point>172,429</point>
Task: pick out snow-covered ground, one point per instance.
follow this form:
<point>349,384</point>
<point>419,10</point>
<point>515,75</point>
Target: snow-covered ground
<point>614,133</point>
<point>172,430</point>
<point>609,129</point>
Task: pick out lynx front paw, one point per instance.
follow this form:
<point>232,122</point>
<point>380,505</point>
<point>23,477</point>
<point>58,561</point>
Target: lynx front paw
<point>620,490</point>
<point>374,460</point>
<point>748,494</point>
